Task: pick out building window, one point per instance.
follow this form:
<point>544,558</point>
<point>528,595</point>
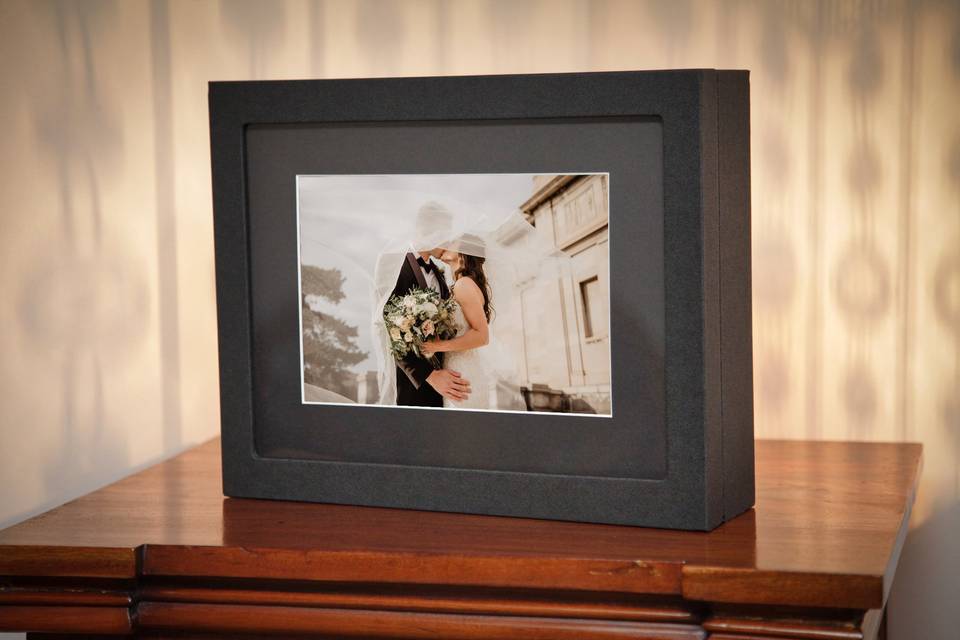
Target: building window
<point>590,295</point>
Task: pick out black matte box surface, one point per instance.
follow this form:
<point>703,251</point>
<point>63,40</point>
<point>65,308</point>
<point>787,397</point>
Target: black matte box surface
<point>630,444</point>
<point>678,451</point>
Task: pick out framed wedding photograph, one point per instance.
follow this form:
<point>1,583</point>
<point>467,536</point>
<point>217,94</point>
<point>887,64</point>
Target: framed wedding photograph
<point>528,324</point>
<point>510,295</point>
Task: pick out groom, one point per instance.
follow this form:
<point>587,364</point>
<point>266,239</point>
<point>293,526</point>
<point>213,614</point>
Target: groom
<point>418,383</point>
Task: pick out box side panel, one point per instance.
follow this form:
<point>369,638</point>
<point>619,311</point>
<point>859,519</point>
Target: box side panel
<point>736,337</point>
<point>710,159</point>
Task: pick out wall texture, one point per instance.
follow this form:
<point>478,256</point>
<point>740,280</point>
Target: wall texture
<point>107,312</point>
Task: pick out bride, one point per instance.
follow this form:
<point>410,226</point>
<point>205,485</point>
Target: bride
<point>473,314</point>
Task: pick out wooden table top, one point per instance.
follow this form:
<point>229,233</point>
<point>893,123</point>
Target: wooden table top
<point>826,532</point>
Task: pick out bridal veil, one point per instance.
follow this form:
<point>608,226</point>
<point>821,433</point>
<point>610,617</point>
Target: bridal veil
<point>514,253</point>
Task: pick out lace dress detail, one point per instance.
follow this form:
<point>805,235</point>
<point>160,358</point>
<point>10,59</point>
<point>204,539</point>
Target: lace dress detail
<point>472,365</point>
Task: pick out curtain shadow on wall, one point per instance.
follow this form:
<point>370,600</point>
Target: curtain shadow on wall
<point>83,301</point>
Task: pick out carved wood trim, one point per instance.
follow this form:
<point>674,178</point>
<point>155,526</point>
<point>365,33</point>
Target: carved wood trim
<point>483,602</point>
<point>525,572</point>
<point>64,561</point>
<point>397,624</point>
<point>106,620</point>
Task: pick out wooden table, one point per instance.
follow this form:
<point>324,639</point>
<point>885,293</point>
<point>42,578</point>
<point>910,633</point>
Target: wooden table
<point>163,553</point>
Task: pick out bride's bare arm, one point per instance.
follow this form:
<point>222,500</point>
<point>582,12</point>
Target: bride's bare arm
<point>470,298</point>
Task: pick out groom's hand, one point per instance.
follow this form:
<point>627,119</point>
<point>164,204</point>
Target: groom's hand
<point>449,384</point>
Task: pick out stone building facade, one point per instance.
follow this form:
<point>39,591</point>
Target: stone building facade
<point>561,329</point>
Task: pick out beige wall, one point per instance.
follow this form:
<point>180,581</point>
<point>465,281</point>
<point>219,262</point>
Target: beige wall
<point>107,316</point>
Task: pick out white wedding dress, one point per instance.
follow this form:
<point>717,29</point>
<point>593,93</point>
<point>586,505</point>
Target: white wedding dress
<point>475,367</point>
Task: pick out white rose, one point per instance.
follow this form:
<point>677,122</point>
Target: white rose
<point>409,302</point>
<point>395,333</point>
<point>408,337</point>
<point>406,323</point>
<point>430,308</point>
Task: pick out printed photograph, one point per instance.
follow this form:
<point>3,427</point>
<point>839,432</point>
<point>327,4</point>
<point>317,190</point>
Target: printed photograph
<point>481,292</point>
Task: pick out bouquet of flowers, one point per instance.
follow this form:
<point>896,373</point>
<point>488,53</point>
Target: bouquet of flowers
<point>416,317</point>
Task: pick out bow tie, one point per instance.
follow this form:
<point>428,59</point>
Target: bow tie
<point>427,265</point>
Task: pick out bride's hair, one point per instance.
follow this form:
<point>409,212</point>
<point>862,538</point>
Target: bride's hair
<point>472,267</point>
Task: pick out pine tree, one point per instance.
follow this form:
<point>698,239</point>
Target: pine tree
<point>329,344</point>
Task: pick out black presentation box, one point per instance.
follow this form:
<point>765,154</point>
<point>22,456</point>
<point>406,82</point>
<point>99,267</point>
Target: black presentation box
<point>677,450</point>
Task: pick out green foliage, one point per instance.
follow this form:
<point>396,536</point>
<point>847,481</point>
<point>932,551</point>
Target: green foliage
<point>329,344</point>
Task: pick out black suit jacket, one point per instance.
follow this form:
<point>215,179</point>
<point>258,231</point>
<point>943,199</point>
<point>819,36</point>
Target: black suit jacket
<point>412,387</point>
